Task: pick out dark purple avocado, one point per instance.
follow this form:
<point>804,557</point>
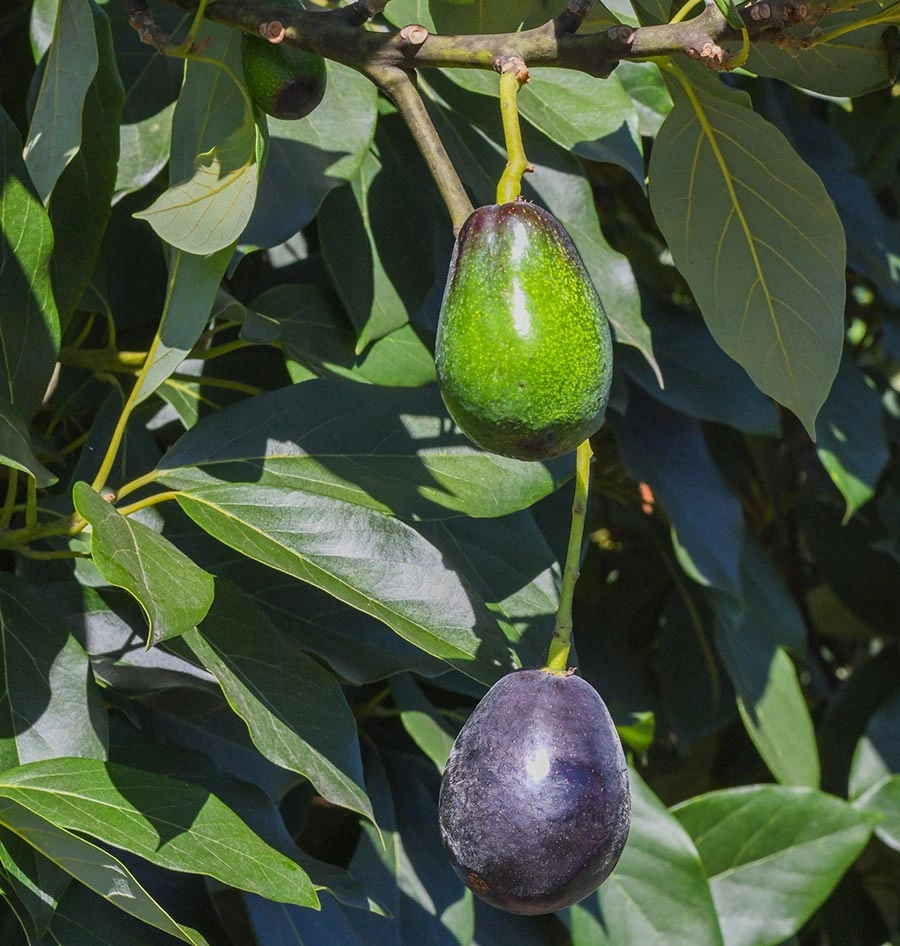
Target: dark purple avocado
<point>535,805</point>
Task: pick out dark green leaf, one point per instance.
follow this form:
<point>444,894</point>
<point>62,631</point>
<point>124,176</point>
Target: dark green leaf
<point>85,919</point>
<point>667,451</point>
<point>848,65</point>
<point>80,203</point>
<point>392,450</point>
<point>174,593</point>
<point>512,568</point>
<point>16,450</point>
<point>316,337</point>
<point>369,227</point>
<point>49,704</point>
<point>851,440</point>
<point>36,882</point>
<point>96,868</point>
<point>421,720</point>
<point>770,700</point>
<point>170,823</point>
<point>375,563</point>
<point>54,136</point>
<point>294,709</point>
<point>772,855</point>
<point>699,379</point>
<point>307,159</point>
<point>763,250</point>
<point>658,892</point>
<point>877,753</point>
<point>29,340</point>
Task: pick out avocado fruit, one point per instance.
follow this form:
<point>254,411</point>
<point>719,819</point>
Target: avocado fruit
<point>523,350</point>
<point>535,804</point>
<point>284,81</point>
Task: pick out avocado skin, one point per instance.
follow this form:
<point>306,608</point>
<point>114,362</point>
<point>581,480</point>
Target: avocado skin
<point>523,350</point>
<point>284,81</point>
<point>535,804</point>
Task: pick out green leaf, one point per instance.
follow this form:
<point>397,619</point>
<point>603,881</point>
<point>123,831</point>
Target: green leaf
<point>96,868</point>
<point>593,118</point>
<point>753,640</point>
<point>294,709</point>
<point>755,234</point>
<point>658,893</point>
<point>373,562</point>
<point>883,799</point>
<point>644,84</point>
<point>848,65</point>
<point>85,919</point>
<point>80,203</point>
<point>16,450</point>
<point>308,159</point>
<point>851,440</point>
<point>316,337</point>
<point>667,451</point>
<point>392,450</point>
<point>204,116</point>
<point>700,380</point>
<point>29,322</point>
<point>54,136</point>
<point>34,881</point>
<point>208,211</point>
<point>368,227</point>
<point>511,566</point>
<point>424,725</point>
<point>772,854</point>
<point>769,697</point>
<point>173,824</point>
<point>49,704</point>
<point>174,593</point>
<point>193,281</point>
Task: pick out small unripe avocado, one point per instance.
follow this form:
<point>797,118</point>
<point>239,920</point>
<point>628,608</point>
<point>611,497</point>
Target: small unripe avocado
<point>535,804</point>
<point>523,349</point>
<point>284,81</point>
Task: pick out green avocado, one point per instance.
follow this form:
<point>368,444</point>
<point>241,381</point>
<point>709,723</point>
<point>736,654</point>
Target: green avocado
<point>284,81</point>
<point>523,350</point>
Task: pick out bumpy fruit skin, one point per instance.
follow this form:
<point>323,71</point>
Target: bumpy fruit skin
<point>523,350</point>
<point>284,81</point>
<point>535,805</point>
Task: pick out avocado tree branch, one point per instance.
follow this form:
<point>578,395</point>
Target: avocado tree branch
<point>400,86</point>
<point>334,36</point>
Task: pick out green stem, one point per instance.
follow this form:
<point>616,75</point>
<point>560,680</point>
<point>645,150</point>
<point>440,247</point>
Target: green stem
<point>70,525</point>
<point>137,483</point>
<point>510,185</point>
<point>149,501</point>
<point>561,642</point>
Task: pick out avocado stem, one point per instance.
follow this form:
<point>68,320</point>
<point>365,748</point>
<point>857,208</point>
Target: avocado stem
<point>561,642</point>
<point>510,184</point>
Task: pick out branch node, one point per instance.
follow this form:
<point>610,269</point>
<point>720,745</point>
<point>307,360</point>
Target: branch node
<point>621,34</point>
<point>513,62</point>
<point>273,32</point>
<point>413,35</point>
<point>573,16</point>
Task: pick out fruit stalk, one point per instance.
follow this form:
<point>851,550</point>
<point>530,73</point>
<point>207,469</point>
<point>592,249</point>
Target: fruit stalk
<point>561,642</point>
<point>513,76</point>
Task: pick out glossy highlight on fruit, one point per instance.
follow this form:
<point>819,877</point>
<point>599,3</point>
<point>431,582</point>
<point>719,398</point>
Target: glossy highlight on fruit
<point>284,81</point>
<point>523,350</point>
<point>535,805</point>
